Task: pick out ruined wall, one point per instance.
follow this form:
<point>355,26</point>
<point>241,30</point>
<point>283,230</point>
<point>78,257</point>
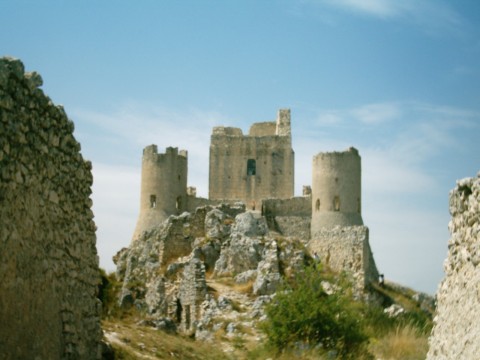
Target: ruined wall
<point>49,266</point>
<point>456,329</point>
<point>290,217</point>
<point>336,189</point>
<point>346,249</point>
<point>192,292</point>
<point>252,167</point>
<point>163,187</point>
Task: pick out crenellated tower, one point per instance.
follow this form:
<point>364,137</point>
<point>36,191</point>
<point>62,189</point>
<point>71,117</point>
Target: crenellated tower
<point>163,186</point>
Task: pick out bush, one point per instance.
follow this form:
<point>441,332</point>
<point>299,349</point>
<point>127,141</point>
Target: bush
<point>303,315</point>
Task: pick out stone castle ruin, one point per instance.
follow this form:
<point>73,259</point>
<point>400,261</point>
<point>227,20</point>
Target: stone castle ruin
<point>49,265</point>
<point>243,228</point>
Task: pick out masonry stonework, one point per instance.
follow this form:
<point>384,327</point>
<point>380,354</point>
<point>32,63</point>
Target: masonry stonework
<point>252,167</point>
<point>337,232</point>
<point>456,328</point>
<point>49,266</point>
<point>336,189</point>
<point>163,187</point>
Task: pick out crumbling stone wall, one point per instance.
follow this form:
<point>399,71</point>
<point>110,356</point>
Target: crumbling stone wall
<point>346,249</point>
<point>49,265</point>
<point>192,292</point>
<point>456,330</point>
<point>290,217</point>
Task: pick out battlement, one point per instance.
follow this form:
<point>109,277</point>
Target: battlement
<point>226,131</point>
<point>263,129</point>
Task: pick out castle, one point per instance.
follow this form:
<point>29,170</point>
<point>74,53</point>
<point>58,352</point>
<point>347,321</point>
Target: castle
<point>258,170</point>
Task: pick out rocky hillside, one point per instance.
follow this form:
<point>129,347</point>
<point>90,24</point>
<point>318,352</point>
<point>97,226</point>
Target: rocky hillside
<point>209,275</point>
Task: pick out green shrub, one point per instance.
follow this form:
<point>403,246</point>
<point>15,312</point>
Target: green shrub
<point>303,315</point>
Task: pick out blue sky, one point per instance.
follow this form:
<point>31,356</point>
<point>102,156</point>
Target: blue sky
<point>400,81</point>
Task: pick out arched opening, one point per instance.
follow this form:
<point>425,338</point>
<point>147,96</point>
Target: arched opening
<point>153,201</point>
<point>317,205</point>
<point>178,311</point>
<point>336,203</point>
<point>251,167</point>
<point>178,204</point>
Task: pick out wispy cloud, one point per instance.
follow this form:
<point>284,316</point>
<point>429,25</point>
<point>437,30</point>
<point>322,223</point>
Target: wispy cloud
<point>373,114</point>
<point>432,16</point>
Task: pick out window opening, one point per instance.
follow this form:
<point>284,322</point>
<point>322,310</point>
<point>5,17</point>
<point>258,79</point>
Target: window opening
<point>179,203</point>
<point>178,311</point>
<point>317,205</point>
<point>153,201</point>
<point>336,203</point>
<point>251,167</point>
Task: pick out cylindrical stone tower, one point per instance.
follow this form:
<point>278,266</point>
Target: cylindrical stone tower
<point>163,187</point>
<point>336,190</point>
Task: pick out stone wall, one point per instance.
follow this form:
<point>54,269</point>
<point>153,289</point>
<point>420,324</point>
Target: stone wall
<point>456,329</point>
<point>346,249</point>
<point>49,265</point>
<point>290,217</point>
<point>252,167</point>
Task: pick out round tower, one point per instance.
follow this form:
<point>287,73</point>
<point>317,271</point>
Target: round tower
<point>336,189</point>
<point>163,187</point>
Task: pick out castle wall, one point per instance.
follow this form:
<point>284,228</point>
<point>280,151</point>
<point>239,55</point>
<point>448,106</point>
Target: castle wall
<point>253,167</point>
<point>49,266</point>
<point>336,189</point>
<point>290,217</point>
<point>346,249</point>
<point>163,187</point>
<point>456,328</point>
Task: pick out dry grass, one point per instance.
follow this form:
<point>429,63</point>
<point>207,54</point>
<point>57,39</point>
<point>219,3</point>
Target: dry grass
<point>132,341</point>
<point>403,343</point>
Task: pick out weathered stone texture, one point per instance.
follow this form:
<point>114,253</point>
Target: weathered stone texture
<point>49,265</point>
<point>336,189</point>
<point>456,331</point>
<point>252,167</point>
<point>346,249</point>
<point>163,188</point>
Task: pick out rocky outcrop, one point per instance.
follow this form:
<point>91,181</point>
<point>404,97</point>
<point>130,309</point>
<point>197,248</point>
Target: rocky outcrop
<point>49,266</point>
<point>456,331</point>
<point>219,241</point>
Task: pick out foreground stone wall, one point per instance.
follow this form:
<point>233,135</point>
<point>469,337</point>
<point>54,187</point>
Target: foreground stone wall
<point>456,332</point>
<point>49,266</point>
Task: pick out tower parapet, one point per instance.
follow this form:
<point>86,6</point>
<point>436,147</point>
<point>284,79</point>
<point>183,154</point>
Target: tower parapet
<point>163,186</point>
<point>336,189</point>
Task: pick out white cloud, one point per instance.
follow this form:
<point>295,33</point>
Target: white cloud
<point>379,8</point>
<point>372,114</point>
<point>432,16</point>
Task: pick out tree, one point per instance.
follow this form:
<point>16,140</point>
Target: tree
<point>308,312</point>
